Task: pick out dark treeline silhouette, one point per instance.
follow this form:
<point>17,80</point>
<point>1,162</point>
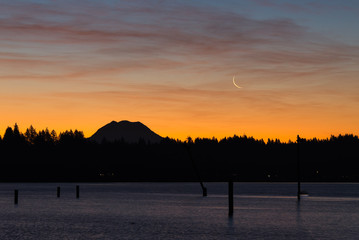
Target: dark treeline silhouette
<point>69,156</point>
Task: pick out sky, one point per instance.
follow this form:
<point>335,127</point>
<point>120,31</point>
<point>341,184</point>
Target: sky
<point>170,64</point>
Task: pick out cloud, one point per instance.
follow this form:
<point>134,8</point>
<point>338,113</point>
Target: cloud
<point>310,7</point>
<point>104,40</point>
<point>186,31</point>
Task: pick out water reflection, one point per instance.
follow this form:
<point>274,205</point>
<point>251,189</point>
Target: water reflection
<point>231,229</point>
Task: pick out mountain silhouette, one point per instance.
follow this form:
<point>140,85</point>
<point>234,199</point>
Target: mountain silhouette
<point>130,132</point>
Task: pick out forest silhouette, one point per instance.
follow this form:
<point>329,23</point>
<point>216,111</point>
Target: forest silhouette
<point>68,156</point>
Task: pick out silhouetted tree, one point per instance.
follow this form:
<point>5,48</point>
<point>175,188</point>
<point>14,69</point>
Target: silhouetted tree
<point>71,137</point>
<point>54,136</point>
<point>189,140</point>
<point>70,156</point>
<point>30,134</point>
<point>16,131</point>
<point>14,137</point>
<point>9,135</point>
<point>44,137</point>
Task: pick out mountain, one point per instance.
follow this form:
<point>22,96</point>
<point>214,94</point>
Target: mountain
<point>130,132</point>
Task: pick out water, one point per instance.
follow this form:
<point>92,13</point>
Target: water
<point>178,211</point>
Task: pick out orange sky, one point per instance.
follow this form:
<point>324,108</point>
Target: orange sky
<point>170,65</point>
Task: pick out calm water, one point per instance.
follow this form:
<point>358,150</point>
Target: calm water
<point>178,211</point>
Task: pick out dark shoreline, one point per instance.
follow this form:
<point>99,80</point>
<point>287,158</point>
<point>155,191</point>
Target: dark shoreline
<point>70,157</point>
<point>159,181</point>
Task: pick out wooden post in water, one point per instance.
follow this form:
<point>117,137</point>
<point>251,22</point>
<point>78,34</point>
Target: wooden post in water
<point>77,191</point>
<point>204,190</point>
<point>298,168</point>
<point>230,198</point>
<point>16,196</point>
<point>58,191</point>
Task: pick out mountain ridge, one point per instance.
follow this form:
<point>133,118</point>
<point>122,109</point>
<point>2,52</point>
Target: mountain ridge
<point>130,132</point>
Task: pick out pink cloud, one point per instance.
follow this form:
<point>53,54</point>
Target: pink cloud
<point>103,39</point>
<point>203,30</point>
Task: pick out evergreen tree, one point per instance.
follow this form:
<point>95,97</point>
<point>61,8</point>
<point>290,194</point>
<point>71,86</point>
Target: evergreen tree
<point>54,136</point>
<point>9,135</point>
<point>17,133</point>
<point>30,134</point>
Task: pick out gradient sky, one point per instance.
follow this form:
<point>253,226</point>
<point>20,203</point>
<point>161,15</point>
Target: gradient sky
<point>169,64</point>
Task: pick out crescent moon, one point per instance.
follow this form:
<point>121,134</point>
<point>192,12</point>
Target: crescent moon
<point>234,83</point>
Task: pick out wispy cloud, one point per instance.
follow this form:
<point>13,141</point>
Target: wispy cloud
<point>102,40</point>
<point>184,34</point>
<point>172,35</point>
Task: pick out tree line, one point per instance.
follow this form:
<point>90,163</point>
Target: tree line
<point>68,156</point>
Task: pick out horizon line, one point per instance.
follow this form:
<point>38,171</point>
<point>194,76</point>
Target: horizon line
<point>189,136</point>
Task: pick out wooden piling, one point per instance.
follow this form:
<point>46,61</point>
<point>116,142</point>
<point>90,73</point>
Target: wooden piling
<point>16,196</point>
<point>58,192</point>
<point>298,168</point>
<point>204,191</point>
<point>77,191</point>
<point>230,198</point>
